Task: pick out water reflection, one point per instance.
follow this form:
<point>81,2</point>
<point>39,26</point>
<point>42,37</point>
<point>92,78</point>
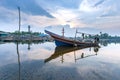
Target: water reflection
<point>29,46</point>
<point>61,50</point>
<point>107,42</point>
<point>19,65</point>
<point>20,71</point>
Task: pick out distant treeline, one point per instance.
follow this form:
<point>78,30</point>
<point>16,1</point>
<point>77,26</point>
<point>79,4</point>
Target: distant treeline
<point>103,36</point>
<point>24,33</point>
<point>21,33</point>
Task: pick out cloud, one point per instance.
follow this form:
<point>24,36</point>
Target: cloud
<point>86,14</point>
<point>34,20</point>
<point>7,15</point>
<point>65,11</point>
<point>41,21</point>
<point>100,14</point>
<point>98,3</point>
<point>97,14</point>
<point>48,4</point>
<point>89,6</point>
<point>110,11</point>
<point>27,6</point>
<point>109,22</point>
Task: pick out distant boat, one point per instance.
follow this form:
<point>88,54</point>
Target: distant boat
<point>63,41</point>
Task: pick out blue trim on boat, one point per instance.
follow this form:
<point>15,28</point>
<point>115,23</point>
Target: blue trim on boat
<point>60,43</point>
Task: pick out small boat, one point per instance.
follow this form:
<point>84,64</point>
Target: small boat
<point>63,41</point>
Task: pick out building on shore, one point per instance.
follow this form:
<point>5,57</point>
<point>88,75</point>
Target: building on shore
<point>3,34</point>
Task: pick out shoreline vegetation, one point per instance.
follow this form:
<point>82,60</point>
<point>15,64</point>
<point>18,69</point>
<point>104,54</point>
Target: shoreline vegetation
<point>23,36</point>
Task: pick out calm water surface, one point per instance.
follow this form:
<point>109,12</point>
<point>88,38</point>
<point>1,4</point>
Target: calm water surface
<point>45,61</point>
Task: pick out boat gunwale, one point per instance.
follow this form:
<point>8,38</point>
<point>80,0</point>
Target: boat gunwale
<point>61,38</point>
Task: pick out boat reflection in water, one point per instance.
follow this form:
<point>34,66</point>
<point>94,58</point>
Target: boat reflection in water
<point>61,50</point>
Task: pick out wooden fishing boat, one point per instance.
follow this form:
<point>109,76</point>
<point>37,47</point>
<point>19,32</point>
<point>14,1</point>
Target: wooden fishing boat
<point>63,41</point>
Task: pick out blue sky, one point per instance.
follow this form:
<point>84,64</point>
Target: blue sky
<point>90,16</point>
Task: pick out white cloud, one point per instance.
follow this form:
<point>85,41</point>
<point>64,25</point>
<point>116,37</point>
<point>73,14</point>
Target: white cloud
<point>64,14</point>
<point>7,15</point>
<point>88,6</point>
<point>86,15</point>
<point>11,16</point>
<point>108,22</point>
<point>67,16</point>
<point>41,21</point>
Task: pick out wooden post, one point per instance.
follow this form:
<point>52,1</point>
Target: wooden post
<point>19,18</point>
<point>29,28</point>
<point>19,21</point>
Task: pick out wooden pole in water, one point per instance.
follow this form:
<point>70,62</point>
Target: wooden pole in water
<point>29,28</point>
<point>19,18</point>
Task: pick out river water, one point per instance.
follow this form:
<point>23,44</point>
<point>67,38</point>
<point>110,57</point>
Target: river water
<point>45,61</point>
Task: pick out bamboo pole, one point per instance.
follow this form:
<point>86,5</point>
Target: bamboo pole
<point>19,21</point>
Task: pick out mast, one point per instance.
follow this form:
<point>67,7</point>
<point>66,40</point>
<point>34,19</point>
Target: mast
<point>62,60</point>
<point>63,32</point>
<point>75,38</point>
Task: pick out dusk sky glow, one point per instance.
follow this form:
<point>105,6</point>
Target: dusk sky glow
<point>91,16</point>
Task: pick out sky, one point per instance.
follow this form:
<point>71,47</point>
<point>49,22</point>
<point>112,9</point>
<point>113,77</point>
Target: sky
<point>89,16</point>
